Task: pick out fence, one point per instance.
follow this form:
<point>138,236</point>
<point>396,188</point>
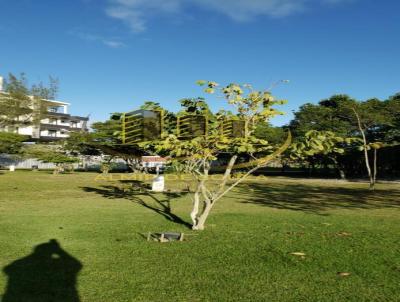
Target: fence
<point>87,163</point>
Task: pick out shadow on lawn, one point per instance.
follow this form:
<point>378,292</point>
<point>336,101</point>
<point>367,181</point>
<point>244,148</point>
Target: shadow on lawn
<point>48,274</point>
<point>137,193</point>
<point>316,199</point>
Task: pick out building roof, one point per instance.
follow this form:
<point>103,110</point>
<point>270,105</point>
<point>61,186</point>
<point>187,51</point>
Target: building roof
<point>81,118</point>
<point>58,102</point>
<point>153,159</point>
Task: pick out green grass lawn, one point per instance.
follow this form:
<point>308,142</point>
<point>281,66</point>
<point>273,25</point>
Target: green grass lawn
<point>243,255</point>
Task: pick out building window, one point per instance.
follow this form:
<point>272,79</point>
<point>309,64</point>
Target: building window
<point>53,121</point>
<point>74,124</point>
<point>53,133</point>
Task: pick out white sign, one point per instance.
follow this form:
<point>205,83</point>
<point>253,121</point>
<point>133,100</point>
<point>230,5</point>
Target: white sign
<point>158,184</point>
<point>12,168</point>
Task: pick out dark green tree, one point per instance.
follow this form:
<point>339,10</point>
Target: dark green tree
<point>106,139</point>
<point>392,131</point>
<point>51,154</point>
<point>346,117</point>
<point>274,135</point>
<point>327,115</point>
<point>11,143</point>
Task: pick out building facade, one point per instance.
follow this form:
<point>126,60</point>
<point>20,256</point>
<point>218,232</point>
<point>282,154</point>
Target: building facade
<point>56,124</point>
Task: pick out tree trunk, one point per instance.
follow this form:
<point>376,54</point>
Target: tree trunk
<point>203,217</point>
<point>199,220</point>
<point>375,168</point>
<point>195,210</point>
<point>57,170</point>
<point>342,174</point>
<point>311,168</point>
<point>227,174</point>
<point>196,201</point>
<point>371,179</point>
<point>84,163</point>
<point>210,198</point>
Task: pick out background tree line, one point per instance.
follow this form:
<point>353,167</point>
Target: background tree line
<point>375,123</point>
<point>342,135</point>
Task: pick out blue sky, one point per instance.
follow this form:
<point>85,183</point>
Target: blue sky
<point>111,55</point>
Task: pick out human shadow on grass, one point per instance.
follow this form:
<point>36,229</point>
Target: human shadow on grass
<point>136,192</point>
<point>315,199</point>
<point>48,274</point>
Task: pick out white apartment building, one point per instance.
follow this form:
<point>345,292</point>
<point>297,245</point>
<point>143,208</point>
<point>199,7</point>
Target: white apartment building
<point>56,125</point>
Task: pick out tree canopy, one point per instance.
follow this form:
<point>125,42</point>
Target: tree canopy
<point>21,105</point>
<point>198,153</point>
<point>11,143</point>
<point>374,122</point>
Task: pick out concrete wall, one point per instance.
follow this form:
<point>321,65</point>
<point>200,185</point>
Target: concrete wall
<point>6,161</point>
<point>90,163</point>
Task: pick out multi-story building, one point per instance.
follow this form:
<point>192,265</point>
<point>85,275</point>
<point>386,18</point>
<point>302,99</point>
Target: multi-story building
<point>56,124</point>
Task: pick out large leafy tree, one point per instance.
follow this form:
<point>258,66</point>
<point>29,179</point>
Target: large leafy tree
<point>81,143</point>
<point>105,139</point>
<point>327,115</point>
<point>11,143</point>
<point>274,135</point>
<point>51,154</point>
<point>197,154</point>
<point>373,121</point>
<point>392,131</point>
<point>326,144</point>
<point>370,119</point>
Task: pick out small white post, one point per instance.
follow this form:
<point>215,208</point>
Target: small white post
<point>158,184</point>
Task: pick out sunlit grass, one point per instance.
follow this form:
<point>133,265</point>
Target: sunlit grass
<point>243,255</point>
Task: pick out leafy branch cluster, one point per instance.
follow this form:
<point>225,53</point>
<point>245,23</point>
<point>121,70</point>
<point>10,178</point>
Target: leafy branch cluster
<point>198,154</point>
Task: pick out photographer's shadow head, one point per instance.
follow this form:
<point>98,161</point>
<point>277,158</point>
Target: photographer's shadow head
<point>49,273</point>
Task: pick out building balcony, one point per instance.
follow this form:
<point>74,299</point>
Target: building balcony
<point>78,129</point>
<point>79,118</point>
<point>54,126</point>
<point>49,138</point>
<point>58,114</point>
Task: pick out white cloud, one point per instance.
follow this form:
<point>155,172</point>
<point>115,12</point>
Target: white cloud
<point>113,43</point>
<point>133,17</point>
<point>337,1</point>
<point>244,10</point>
<point>135,13</point>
